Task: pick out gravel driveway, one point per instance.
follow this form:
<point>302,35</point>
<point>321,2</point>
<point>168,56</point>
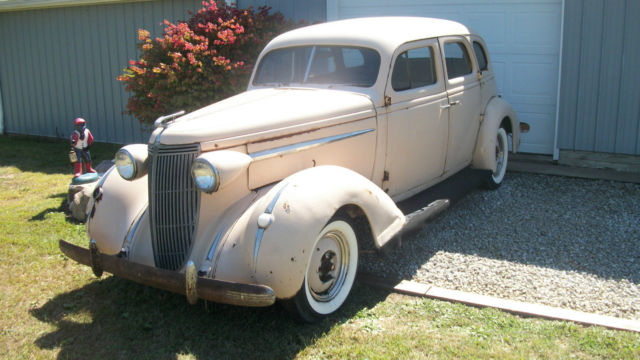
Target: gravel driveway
<point>558,241</point>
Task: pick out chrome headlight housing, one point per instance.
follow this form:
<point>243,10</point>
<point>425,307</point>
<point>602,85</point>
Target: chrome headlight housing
<point>125,164</point>
<point>205,175</point>
<point>131,161</point>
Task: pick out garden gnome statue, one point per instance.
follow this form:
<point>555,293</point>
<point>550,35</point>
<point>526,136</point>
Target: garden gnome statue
<point>81,140</point>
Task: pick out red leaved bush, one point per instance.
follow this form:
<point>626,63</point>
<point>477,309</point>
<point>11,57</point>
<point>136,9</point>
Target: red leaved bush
<point>195,63</point>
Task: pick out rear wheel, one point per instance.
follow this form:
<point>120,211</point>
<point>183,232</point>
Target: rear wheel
<point>331,271</point>
<point>502,156</point>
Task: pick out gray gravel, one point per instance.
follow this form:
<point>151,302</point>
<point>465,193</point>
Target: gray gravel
<point>564,242</point>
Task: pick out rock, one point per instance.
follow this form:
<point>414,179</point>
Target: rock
<point>80,193</point>
<point>77,199</point>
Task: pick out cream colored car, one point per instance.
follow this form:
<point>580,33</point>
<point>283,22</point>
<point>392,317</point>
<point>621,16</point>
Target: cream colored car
<point>269,194</point>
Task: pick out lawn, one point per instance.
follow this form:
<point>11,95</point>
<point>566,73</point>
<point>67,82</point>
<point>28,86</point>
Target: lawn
<point>52,307</point>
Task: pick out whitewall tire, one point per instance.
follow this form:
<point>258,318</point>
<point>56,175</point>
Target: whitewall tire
<point>502,156</point>
<point>331,271</point>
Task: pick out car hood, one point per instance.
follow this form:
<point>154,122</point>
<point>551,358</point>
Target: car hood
<point>266,113</point>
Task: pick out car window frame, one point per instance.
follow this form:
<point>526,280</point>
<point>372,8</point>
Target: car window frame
<point>422,91</point>
<point>475,41</point>
<point>472,76</point>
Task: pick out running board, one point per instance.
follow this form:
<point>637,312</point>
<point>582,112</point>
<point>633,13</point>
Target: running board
<point>416,219</point>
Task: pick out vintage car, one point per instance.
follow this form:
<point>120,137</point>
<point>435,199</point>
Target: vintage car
<point>269,194</point>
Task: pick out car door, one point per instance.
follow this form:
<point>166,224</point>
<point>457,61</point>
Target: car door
<point>463,90</point>
<point>417,121</point>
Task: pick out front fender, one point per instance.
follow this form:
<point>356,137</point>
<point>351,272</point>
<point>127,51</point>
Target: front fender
<point>496,111</point>
<point>276,252</point>
<point>111,214</point>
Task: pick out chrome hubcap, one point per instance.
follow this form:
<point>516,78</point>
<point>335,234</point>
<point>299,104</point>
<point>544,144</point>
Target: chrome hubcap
<point>328,267</point>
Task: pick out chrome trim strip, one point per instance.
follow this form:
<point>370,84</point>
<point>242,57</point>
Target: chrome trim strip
<point>134,227</point>
<point>256,247</point>
<point>273,202</point>
<point>305,145</point>
<point>260,232</point>
<point>93,201</point>
<point>161,121</point>
<point>214,245</point>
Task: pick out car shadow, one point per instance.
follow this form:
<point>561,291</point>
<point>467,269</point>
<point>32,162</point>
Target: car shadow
<point>552,239</point>
<point>116,318</point>
<point>62,208</point>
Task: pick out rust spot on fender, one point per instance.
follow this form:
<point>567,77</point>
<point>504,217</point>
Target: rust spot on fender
<point>286,207</point>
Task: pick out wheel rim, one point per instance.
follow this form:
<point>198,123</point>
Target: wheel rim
<point>501,156</point>
<point>328,266</point>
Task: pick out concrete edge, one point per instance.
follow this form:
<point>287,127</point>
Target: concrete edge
<point>570,171</point>
<point>515,307</point>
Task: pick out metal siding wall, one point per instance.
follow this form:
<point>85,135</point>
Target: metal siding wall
<point>611,63</point>
<point>60,63</point>
<point>570,73</point>
<point>600,92</point>
<point>310,11</point>
<point>588,88</point>
<point>628,129</point>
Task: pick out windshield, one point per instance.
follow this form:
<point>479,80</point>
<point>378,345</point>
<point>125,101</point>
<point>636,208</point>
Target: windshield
<point>337,65</point>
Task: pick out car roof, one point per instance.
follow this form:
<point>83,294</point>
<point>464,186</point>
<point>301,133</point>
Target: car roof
<point>383,33</point>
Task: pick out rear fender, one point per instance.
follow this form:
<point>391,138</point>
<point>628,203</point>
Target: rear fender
<point>291,215</point>
<point>495,113</point>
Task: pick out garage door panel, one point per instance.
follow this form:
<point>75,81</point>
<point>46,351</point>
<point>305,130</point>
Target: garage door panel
<point>534,82</point>
<point>399,11</point>
<point>537,31</point>
<point>535,141</point>
<point>492,26</point>
<point>499,70</point>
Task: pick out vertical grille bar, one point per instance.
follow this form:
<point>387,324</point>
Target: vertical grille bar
<point>173,203</point>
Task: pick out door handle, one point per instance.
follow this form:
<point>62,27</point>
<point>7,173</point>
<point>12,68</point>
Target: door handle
<point>446,106</point>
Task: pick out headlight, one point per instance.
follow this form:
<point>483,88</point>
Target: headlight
<point>125,164</point>
<point>205,175</point>
<point>131,161</point>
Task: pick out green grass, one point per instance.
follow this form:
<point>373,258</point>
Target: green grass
<point>52,307</point>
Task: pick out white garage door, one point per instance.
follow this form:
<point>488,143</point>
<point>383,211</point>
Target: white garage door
<point>523,37</point>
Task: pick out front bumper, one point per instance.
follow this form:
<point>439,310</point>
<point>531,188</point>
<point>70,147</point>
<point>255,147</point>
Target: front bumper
<point>195,287</point>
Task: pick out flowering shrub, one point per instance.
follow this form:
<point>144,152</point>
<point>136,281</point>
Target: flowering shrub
<point>195,63</point>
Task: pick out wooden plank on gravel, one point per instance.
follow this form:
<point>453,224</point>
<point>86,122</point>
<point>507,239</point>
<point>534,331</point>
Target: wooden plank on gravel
<point>527,309</point>
<point>585,173</point>
<point>516,307</point>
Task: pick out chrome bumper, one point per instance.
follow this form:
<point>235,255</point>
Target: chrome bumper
<point>207,289</point>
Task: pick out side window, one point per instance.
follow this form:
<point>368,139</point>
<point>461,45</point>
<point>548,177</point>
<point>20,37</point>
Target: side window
<point>457,59</point>
<point>480,55</point>
<point>413,69</point>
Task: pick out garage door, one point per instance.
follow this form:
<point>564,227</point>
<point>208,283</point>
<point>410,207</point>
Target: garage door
<point>523,37</point>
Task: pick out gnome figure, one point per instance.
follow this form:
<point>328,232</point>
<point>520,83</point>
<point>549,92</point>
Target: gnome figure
<point>81,140</point>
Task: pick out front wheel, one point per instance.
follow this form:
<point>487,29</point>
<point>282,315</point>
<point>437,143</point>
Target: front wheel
<point>331,271</point>
<point>502,155</point>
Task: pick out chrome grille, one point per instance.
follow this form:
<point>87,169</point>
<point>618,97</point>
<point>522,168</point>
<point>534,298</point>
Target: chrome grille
<point>173,203</point>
